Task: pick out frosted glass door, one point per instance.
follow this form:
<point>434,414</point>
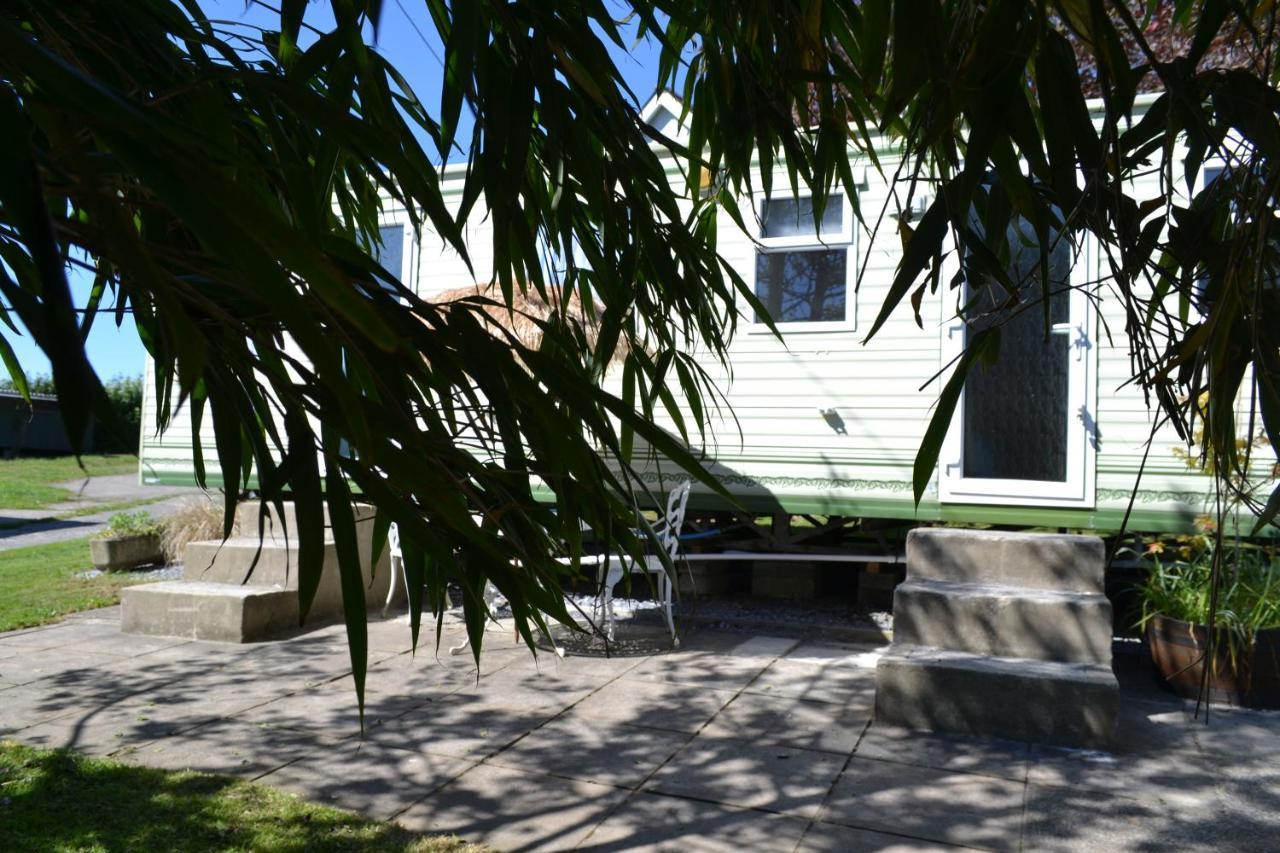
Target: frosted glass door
<point>1019,435</point>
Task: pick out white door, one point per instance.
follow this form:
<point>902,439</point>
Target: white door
<point>1024,431</point>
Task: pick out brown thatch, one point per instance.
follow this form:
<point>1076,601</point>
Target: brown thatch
<point>527,310</point>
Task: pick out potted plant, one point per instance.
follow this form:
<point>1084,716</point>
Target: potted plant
<point>131,539</point>
<point>1244,668</point>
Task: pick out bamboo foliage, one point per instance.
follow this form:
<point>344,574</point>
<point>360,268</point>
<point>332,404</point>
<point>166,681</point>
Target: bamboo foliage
<point>224,185</point>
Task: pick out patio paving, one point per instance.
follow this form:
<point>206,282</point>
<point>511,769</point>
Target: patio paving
<point>735,742</point>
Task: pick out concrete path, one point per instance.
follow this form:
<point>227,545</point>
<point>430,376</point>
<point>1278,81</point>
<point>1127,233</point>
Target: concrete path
<point>44,527</point>
<point>736,742</point>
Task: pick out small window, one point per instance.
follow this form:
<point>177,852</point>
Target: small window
<point>802,264</point>
<point>793,217</point>
<point>391,253</point>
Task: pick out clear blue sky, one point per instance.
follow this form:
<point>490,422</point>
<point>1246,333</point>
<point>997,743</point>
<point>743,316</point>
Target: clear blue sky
<point>413,49</point>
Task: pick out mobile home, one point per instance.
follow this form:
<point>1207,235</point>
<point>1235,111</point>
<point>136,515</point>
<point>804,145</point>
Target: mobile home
<point>823,424</point>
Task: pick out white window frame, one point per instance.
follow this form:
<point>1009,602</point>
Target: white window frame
<point>845,239</point>
<point>1080,488</point>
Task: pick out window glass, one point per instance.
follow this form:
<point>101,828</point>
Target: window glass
<point>1016,413</point>
<point>391,253</point>
<point>803,286</point>
<point>793,217</point>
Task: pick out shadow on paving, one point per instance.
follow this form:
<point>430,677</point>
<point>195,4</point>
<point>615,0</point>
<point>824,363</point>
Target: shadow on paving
<point>733,742</point>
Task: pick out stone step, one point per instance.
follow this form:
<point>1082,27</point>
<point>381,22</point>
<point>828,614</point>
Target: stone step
<point>285,528</point>
<point>229,562</point>
<point>1004,621</point>
<point>219,612</point>
<point>1068,704</point>
<point>1036,560</point>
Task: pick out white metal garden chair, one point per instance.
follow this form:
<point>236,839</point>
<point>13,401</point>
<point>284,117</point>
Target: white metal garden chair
<point>613,567</point>
<point>493,599</point>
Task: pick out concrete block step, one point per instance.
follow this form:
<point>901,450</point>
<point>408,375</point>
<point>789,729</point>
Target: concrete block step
<point>285,527</point>
<point>220,612</point>
<point>1005,621</point>
<point>1067,704</point>
<point>1037,560</point>
<point>229,562</point>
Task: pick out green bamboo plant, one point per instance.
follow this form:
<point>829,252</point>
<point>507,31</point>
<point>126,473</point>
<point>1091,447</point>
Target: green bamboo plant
<point>224,183</point>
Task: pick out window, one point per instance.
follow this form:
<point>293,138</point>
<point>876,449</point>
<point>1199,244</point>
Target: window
<point>802,265</point>
<point>390,254</point>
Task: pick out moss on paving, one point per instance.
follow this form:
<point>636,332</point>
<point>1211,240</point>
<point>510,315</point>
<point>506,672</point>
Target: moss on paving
<point>54,800</point>
<point>42,583</point>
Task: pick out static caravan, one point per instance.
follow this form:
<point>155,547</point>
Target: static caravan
<point>823,424</point>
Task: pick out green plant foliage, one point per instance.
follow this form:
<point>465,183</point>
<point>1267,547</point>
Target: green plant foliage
<point>138,523</point>
<point>226,185</point>
<point>1248,600</point>
<point>124,395</point>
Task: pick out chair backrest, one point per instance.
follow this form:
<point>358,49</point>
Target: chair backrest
<point>393,541</point>
<point>668,529</point>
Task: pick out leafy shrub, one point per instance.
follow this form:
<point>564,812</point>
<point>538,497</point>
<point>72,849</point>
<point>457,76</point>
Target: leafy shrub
<point>139,523</point>
<point>125,396</point>
<point>196,520</point>
<point>1180,588</point>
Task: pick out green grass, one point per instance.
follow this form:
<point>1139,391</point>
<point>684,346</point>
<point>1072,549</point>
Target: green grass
<point>56,800</point>
<point>38,585</point>
<point>28,483</point>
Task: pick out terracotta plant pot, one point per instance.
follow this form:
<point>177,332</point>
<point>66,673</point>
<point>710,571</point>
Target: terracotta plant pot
<point>1177,650</point>
<point>125,552</point>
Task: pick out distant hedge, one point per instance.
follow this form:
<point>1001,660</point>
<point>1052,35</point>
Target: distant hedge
<point>125,393</point>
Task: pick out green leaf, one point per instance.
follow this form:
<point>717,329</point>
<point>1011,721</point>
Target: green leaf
<point>982,345</point>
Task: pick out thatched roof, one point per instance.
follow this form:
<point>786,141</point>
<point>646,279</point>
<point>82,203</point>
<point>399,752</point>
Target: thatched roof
<point>527,310</point>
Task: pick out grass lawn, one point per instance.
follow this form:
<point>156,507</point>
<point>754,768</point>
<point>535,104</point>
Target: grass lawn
<point>38,585</point>
<point>27,483</point>
<point>57,800</point>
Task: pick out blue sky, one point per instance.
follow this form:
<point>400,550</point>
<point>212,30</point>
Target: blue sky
<point>414,50</point>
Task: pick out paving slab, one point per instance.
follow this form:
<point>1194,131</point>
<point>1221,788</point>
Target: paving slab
<point>460,726</point>
<point>666,706</point>
<point>1006,759</point>
<point>514,809</point>
<point>575,749</point>
<point>791,722</point>
<point>929,804</point>
<point>226,747</point>
<point>711,747</point>
<point>22,707</point>
<point>862,655</point>
<point>331,712</point>
<point>772,778</point>
<point>108,728</point>
<point>832,838</point>
<point>367,778</point>
<point>662,823</point>
<point>831,683</point>
<point>711,670</point>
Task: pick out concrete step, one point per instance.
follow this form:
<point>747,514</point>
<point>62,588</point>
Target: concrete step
<point>285,528</point>
<point>229,562</point>
<point>1036,560</point>
<point>219,612</point>
<point>1068,704</point>
<point>1005,621</point>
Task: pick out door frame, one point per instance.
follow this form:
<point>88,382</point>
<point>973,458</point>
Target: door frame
<point>1079,489</point>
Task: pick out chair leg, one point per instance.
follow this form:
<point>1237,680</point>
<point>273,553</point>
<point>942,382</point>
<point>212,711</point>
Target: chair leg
<point>666,604</point>
<point>396,568</point>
